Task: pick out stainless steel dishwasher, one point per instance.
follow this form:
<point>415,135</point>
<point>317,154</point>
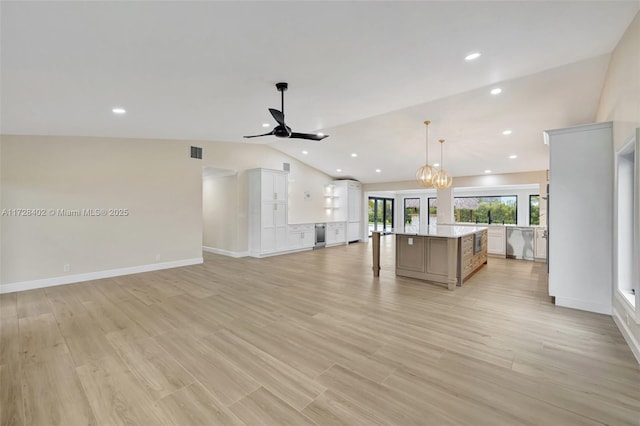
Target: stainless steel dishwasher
<point>520,242</point>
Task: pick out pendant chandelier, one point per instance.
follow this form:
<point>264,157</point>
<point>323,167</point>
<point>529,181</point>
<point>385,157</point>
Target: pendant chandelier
<point>443,179</point>
<point>427,173</point>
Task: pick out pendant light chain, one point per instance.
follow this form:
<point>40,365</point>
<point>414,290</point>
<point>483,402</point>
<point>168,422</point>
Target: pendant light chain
<point>426,174</point>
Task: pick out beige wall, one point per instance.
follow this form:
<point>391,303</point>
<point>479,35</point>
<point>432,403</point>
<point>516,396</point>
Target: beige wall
<point>155,179</point>
<point>620,98</point>
<point>620,103</point>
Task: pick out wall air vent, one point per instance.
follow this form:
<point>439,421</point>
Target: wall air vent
<point>286,167</point>
<point>196,152</point>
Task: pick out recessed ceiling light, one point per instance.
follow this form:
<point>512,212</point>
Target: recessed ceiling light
<point>338,170</point>
<point>266,124</point>
<point>119,111</point>
<point>487,171</point>
<point>506,132</point>
<point>496,91</point>
<point>472,56</point>
<point>320,134</point>
<point>305,152</point>
<point>378,171</point>
<point>513,156</point>
<point>354,155</point>
<point>436,164</point>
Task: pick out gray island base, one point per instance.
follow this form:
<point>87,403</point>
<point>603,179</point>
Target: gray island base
<point>446,254</point>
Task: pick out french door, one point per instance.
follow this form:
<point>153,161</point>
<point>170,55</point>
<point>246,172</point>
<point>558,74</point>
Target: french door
<point>381,215</point>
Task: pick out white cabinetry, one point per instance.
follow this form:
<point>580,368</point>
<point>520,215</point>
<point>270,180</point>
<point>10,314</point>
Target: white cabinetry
<point>580,216</point>
<point>336,233</point>
<point>496,241</point>
<point>350,211</point>
<point>267,211</point>
<point>301,236</point>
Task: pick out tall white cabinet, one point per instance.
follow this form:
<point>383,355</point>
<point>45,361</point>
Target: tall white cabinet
<point>350,207</point>
<point>268,205</point>
<point>580,216</point>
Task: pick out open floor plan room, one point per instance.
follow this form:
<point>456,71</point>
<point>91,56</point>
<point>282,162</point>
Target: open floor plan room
<point>265,341</point>
<point>407,213</point>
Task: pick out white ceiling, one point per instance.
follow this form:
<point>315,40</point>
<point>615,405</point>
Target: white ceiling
<point>367,73</point>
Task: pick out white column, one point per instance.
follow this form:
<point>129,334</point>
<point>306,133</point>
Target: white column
<point>445,206</point>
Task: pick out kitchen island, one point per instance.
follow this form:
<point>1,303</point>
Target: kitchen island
<point>445,254</point>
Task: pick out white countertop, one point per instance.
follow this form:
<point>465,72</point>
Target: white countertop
<point>448,231</point>
<point>507,225</point>
<point>321,222</point>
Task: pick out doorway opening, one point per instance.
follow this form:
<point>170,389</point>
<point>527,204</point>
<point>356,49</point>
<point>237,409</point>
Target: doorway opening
<point>220,211</point>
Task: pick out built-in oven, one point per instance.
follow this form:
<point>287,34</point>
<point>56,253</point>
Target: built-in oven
<point>477,242</point>
<point>320,235</point>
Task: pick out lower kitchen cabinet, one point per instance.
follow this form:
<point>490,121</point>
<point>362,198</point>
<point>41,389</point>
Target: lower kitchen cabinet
<point>301,236</point>
<point>496,244</point>
<point>336,233</point>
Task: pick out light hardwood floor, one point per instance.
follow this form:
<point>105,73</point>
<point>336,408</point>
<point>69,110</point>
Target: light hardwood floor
<point>310,338</point>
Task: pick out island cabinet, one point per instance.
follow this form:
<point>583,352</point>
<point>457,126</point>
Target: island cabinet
<point>445,255</point>
<point>472,253</point>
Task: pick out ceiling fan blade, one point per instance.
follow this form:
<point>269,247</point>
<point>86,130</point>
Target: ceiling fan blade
<point>257,136</point>
<point>309,136</point>
<point>277,115</point>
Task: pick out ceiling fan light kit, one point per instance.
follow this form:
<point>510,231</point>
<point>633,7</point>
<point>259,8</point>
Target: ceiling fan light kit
<point>282,130</point>
<point>426,173</point>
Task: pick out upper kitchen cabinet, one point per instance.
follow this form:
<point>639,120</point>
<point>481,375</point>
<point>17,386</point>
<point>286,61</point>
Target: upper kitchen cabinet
<point>274,185</point>
<point>580,216</point>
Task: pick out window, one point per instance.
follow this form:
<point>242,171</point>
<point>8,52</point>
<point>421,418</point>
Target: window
<point>626,190</point>
<point>534,209</point>
<point>433,211</point>
<point>412,215</point>
<point>499,209</point>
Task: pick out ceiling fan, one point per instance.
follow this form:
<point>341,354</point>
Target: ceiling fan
<point>282,130</point>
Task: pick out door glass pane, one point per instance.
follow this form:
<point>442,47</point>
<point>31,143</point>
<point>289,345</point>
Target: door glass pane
<point>388,216</point>
<point>412,215</point>
<point>372,206</point>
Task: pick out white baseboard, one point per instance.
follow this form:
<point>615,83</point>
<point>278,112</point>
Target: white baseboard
<point>599,308</point>
<point>277,253</point>
<point>229,253</point>
<point>627,334</point>
<point>76,278</point>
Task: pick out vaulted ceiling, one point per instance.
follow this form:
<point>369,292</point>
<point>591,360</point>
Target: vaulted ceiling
<point>367,73</point>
